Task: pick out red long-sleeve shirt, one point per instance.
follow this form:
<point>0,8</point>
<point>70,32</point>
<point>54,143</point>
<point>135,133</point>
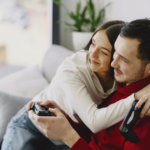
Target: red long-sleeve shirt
<point>110,138</point>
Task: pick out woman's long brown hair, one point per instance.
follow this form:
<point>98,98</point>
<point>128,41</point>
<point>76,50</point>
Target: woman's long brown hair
<point>112,29</point>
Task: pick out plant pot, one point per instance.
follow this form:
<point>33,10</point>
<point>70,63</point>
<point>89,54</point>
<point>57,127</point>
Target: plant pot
<point>80,39</point>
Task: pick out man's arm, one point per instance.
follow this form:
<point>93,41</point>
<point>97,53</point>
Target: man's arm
<point>80,145</point>
<point>58,128</point>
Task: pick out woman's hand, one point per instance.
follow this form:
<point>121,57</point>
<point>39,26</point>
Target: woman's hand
<point>48,103</point>
<point>138,95</point>
<point>146,109</point>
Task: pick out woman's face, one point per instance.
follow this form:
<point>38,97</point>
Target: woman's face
<point>100,53</point>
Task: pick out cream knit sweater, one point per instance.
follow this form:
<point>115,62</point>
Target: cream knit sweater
<point>77,90</point>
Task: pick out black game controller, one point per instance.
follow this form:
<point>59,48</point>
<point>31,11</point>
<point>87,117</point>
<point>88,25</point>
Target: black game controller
<point>40,110</point>
<point>126,128</point>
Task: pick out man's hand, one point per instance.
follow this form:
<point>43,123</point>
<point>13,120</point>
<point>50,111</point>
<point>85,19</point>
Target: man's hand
<point>57,127</point>
<point>48,103</point>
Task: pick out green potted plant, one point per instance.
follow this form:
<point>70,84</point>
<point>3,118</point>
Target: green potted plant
<point>84,22</point>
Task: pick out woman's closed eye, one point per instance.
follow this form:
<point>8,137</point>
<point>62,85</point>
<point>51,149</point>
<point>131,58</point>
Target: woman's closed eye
<point>103,52</point>
<point>92,44</point>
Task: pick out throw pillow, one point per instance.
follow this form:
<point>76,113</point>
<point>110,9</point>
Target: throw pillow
<point>52,59</point>
<point>27,82</point>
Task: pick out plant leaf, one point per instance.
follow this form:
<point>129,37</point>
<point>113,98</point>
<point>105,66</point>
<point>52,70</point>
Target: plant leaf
<point>57,2</point>
<point>108,4</point>
<point>71,26</point>
<point>87,21</point>
<point>84,12</point>
<point>78,9</point>
<point>100,17</point>
<point>101,14</point>
<point>73,16</point>
<point>78,26</point>
<point>91,9</point>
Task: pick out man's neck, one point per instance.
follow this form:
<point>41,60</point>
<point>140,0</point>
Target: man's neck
<point>138,80</point>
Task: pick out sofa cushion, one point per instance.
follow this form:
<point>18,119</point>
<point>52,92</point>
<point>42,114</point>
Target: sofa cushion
<point>9,106</point>
<point>27,82</point>
<point>6,69</point>
<point>52,59</point>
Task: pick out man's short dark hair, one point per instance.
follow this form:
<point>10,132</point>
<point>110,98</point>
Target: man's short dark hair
<point>140,30</point>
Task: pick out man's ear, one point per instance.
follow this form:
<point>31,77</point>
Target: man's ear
<point>147,70</point>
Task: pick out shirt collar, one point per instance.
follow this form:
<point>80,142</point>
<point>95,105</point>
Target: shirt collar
<point>134,87</point>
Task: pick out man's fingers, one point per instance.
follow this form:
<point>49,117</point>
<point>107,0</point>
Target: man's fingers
<point>44,103</point>
<point>41,120</point>
<point>48,103</point>
<point>42,128</point>
<point>30,104</point>
<point>55,111</point>
<point>33,115</point>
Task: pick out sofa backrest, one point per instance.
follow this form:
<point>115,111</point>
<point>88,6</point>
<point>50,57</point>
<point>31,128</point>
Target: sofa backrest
<point>52,59</point>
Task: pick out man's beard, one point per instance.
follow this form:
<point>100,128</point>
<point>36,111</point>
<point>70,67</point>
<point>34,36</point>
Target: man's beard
<point>136,77</point>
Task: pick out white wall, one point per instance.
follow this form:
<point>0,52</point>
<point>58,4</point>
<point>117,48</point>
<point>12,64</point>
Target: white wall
<point>50,16</point>
<point>129,10</point>
<point>126,10</point>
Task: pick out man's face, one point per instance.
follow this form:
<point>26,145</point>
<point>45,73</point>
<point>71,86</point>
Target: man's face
<point>127,67</point>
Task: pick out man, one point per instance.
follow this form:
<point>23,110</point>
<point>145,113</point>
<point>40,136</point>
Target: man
<point>132,69</point>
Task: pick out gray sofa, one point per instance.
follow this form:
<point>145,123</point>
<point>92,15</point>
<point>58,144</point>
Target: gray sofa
<point>17,89</point>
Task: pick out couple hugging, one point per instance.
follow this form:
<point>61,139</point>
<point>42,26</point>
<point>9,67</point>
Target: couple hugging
<point>90,95</point>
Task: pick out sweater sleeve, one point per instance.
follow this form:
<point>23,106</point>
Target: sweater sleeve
<point>142,130</point>
<point>95,119</point>
<point>80,145</point>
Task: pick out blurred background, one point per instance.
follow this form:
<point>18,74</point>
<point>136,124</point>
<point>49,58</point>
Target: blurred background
<point>23,31</point>
<point>29,27</point>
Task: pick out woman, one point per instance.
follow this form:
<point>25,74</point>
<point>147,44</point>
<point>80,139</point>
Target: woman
<point>81,83</point>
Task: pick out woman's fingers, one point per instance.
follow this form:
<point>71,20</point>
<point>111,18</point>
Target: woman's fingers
<point>146,108</point>
<point>142,92</point>
<point>141,101</point>
<point>148,112</point>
